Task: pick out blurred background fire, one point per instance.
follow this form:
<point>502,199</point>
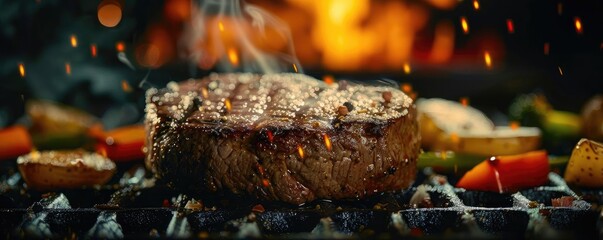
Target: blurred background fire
<point>102,55</point>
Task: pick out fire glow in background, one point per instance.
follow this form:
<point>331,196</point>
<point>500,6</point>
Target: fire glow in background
<point>101,55</point>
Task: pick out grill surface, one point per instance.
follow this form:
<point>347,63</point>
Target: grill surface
<point>134,206</point>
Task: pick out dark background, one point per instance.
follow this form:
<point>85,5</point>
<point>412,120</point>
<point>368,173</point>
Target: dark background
<point>36,33</point>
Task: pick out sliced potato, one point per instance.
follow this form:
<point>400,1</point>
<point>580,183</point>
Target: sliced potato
<point>52,170</point>
<point>585,167</point>
<point>500,141</point>
<point>439,118</point>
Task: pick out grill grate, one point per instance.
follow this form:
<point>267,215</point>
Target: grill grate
<point>135,206</point>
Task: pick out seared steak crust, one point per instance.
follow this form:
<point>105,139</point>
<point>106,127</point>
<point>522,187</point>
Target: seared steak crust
<point>281,137</point>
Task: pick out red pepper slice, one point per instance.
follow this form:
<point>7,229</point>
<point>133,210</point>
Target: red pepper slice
<point>508,173</point>
<point>122,144</point>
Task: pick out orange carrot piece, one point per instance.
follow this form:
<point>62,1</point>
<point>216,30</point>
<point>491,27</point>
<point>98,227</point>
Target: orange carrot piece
<point>14,141</point>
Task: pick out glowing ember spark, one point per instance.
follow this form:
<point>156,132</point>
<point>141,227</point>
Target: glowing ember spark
<point>68,68</point>
<point>406,68</point>
<point>21,69</point>
<point>270,135</point>
<point>265,182</point>
<point>476,5</point>
<point>578,24</point>
<point>93,50</point>
<point>487,59</point>
<point>560,71</point>
<point>204,92</point>
<point>406,88</point>
<point>221,26</point>
<point>126,86</point>
<point>510,26</point>
<point>327,141</point>
<point>464,101</point>
<point>295,67</point>
<point>73,41</point>
<point>559,8</point>
<point>233,57</point>
<point>464,25</point>
<point>328,79</point>
<point>547,48</point>
<point>300,150</point>
<point>227,104</point>
<point>514,125</point>
<point>120,46</point>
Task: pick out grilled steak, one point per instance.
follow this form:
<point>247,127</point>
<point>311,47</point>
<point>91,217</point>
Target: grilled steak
<point>284,137</point>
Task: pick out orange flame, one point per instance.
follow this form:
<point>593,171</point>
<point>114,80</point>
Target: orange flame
<point>120,46</point>
<point>73,41</point>
<point>578,24</point>
<point>406,68</point>
<point>93,50</point>
<point>327,141</point>
<point>487,59</point>
<point>68,68</point>
<point>300,151</point>
<point>547,48</point>
<point>464,25</point>
<point>233,57</point>
<point>475,5</point>
<point>514,125</point>
<point>510,26</point>
<point>464,101</point>
<point>21,69</point>
<point>227,104</point>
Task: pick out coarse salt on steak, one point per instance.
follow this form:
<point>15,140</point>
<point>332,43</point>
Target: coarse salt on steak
<point>283,137</point>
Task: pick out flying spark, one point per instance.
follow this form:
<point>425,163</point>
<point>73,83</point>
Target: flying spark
<point>295,67</point>
<point>547,48</point>
<point>221,26</point>
<point>464,25</point>
<point>327,141</point>
<point>68,68</point>
<point>300,151</point>
<point>21,69</point>
<point>120,46</point>
<point>73,41</point>
<point>510,26</point>
<point>487,59</point>
<point>93,50</point>
<point>560,71</point>
<point>464,101</point>
<point>233,57</point>
<point>406,68</point>
<point>578,24</point>
<point>475,5</point>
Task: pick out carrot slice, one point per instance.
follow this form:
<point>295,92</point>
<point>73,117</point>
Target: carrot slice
<point>508,173</point>
<point>122,144</point>
<point>14,141</point>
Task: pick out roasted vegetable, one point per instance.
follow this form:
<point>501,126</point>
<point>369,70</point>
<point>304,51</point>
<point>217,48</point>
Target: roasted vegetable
<point>585,167</point>
<point>508,173</point>
<point>558,127</point>
<point>500,141</point>
<point>14,141</point>
<point>52,170</point>
<point>122,144</point>
<point>55,126</point>
<point>439,118</point>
